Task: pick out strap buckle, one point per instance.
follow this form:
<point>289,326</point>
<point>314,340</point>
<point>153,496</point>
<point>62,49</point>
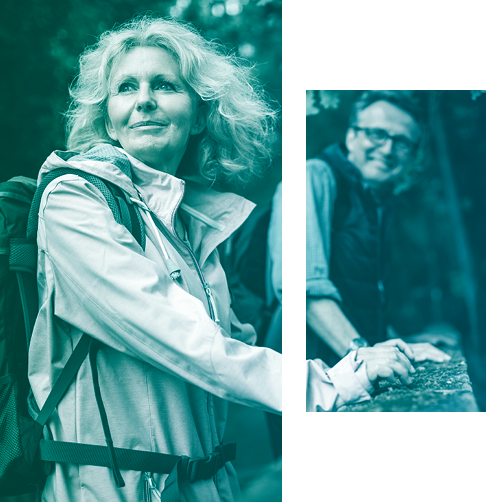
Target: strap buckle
<point>197,468</point>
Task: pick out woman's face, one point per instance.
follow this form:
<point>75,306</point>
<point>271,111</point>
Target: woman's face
<point>151,110</point>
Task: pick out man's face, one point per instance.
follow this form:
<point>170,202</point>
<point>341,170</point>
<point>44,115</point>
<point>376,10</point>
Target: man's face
<point>383,143</point>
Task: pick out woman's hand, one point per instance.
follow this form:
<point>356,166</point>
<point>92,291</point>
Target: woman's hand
<point>387,361</point>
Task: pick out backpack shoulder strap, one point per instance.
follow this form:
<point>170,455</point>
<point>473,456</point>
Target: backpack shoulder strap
<point>23,251</point>
<point>64,380</point>
<point>124,212</point>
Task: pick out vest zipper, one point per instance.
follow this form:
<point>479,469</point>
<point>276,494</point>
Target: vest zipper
<point>380,285</point>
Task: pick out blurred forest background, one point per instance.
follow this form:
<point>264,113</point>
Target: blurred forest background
<point>438,246</point>
<point>42,39</point>
<point>40,43</point>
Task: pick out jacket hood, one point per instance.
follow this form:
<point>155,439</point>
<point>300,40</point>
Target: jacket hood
<point>216,214</point>
<point>104,161</point>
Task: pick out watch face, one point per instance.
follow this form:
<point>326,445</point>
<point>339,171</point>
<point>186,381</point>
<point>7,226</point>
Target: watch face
<point>359,342</point>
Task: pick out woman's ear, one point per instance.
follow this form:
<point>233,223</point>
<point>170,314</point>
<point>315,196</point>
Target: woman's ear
<point>199,120</point>
<point>110,129</point>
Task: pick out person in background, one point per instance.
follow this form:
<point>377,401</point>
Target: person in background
<point>350,199</point>
<point>273,337</point>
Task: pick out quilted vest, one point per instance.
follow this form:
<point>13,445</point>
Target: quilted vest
<point>359,231</point>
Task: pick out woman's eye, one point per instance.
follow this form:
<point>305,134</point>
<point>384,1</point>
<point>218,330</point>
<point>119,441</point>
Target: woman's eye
<point>125,87</point>
<point>164,86</point>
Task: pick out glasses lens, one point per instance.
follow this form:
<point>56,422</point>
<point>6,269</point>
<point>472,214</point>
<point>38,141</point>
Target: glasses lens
<point>403,145</point>
<point>377,135</point>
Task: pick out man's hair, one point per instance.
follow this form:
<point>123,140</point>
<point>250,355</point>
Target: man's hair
<point>401,99</point>
<point>236,143</point>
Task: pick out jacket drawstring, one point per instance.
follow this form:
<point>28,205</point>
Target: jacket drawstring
<point>174,270</point>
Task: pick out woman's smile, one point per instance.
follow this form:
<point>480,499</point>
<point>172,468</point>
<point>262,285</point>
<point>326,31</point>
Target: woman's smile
<point>148,124</point>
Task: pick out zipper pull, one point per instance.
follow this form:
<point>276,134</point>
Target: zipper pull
<point>207,289</point>
<point>150,487</point>
<point>174,270</point>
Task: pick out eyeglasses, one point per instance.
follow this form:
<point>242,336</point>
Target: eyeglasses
<point>379,136</point>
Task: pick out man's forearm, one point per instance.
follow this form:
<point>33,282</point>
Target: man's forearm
<point>327,320</point>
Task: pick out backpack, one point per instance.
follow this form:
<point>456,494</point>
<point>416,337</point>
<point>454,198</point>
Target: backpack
<point>25,457</point>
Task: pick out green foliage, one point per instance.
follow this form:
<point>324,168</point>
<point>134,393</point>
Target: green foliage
<point>319,100</point>
<point>475,94</point>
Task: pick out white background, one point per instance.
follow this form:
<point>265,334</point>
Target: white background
<point>382,457</point>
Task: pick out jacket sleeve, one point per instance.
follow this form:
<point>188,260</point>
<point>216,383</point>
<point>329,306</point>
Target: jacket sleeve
<point>330,388</point>
<point>320,198</point>
<point>105,286</point>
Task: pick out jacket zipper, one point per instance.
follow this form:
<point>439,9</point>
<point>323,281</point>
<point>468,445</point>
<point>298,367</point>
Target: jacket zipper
<point>214,316</point>
<point>205,285</point>
<point>150,488</point>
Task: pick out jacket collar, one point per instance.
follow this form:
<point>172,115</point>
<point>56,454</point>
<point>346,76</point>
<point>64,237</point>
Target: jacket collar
<point>212,216</point>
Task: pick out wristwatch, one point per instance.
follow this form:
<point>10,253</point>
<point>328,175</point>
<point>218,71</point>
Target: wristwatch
<point>357,343</point>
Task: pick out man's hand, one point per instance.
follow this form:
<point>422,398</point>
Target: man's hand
<point>399,344</point>
<point>386,361</point>
<point>417,352</point>
<point>427,352</point>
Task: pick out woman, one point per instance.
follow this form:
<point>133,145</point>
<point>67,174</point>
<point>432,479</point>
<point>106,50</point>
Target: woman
<point>152,99</point>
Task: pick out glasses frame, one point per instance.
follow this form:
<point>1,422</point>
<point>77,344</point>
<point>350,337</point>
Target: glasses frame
<point>401,143</point>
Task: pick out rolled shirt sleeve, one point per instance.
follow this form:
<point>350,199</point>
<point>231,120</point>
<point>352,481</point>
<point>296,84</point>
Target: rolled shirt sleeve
<point>330,388</point>
<point>320,198</point>
<point>275,247</point>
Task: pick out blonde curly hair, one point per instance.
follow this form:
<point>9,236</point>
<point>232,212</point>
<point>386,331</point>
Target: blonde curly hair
<point>236,144</point>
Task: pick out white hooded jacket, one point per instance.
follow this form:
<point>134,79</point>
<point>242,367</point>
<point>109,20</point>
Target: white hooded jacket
<point>166,368</point>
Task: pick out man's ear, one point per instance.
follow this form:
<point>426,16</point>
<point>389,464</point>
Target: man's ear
<point>110,129</point>
<point>350,139</point>
<point>200,120</point>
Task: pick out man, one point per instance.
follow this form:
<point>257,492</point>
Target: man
<point>349,211</point>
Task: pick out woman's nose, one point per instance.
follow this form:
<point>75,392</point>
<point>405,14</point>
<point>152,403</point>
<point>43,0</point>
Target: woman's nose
<point>146,99</point>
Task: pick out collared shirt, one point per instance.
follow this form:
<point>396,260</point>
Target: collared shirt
<point>320,197</point>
